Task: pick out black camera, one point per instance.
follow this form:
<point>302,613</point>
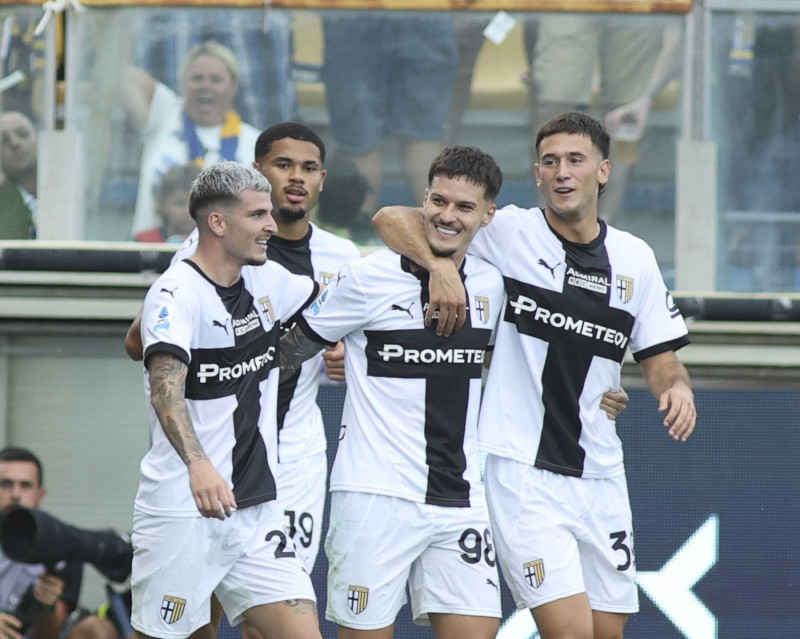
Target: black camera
<point>34,537</point>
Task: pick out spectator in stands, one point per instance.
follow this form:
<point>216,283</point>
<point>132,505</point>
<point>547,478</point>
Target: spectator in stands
<point>387,73</point>
<point>201,127</point>
<point>636,60</point>
<point>172,206</point>
<point>18,149</point>
<point>261,43</point>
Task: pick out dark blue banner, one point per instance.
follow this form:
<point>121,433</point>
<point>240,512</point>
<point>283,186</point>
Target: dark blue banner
<point>715,520</point>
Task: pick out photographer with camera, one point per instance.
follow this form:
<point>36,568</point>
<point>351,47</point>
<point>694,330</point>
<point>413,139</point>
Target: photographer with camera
<point>36,601</point>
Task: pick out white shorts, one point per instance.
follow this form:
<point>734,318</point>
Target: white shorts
<point>376,544</point>
<point>302,487</point>
<point>246,560</point>
<point>558,536</point>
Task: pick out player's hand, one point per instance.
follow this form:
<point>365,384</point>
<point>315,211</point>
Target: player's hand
<point>447,296</point>
<point>9,626</point>
<point>213,496</point>
<point>614,402</point>
<point>678,404</point>
<point>333,356</point>
<point>48,590</point>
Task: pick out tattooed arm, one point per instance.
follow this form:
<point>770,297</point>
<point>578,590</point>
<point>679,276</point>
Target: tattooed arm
<point>212,494</point>
<point>296,348</point>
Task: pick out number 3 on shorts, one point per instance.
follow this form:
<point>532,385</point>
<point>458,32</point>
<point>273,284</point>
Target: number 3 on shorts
<point>619,544</point>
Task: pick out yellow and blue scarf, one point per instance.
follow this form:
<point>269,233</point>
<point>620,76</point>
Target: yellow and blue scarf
<point>229,138</point>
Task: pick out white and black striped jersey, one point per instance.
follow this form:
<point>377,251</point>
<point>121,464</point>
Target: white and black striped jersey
<point>571,313</point>
<point>228,337</point>
<point>319,255</point>
<point>409,424</point>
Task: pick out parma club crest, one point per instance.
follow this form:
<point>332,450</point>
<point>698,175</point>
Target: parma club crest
<point>357,598</point>
<point>266,308</point>
<point>482,308</point>
<point>624,288</point>
<point>172,608</point>
<point>534,572</point>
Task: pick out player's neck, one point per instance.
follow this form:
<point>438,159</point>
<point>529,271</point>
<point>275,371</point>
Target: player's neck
<point>292,230</point>
<point>217,266</point>
<point>581,229</point>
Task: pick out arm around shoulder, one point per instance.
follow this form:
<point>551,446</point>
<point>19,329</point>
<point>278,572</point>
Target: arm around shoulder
<point>401,228</point>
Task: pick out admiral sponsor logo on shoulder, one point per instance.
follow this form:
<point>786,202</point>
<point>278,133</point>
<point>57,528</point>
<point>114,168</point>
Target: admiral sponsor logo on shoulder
<point>246,324</point>
<point>524,304</point>
<point>436,312</point>
<point>596,283</point>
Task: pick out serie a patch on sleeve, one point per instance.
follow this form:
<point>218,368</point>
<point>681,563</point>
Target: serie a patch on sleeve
<point>162,320</point>
<point>319,303</point>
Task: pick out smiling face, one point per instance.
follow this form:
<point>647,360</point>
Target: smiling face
<point>453,211</point>
<point>208,90</point>
<point>294,169</point>
<point>248,227</point>
<point>569,173</point>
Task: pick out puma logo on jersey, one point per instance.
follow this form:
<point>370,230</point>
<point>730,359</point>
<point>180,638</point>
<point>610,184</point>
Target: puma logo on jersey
<point>340,277</point>
<point>552,269</point>
<point>221,325</point>
<point>489,582</point>
<point>171,293</point>
<point>397,307</point>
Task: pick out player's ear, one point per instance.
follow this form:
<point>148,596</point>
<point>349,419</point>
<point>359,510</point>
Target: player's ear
<point>217,222</point>
<point>322,184</point>
<point>604,171</point>
<point>489,215</point>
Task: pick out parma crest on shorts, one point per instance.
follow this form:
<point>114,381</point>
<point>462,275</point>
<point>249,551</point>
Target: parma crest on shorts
<point>357,598</point>
<point>534,572</point>
<point>172,608</point>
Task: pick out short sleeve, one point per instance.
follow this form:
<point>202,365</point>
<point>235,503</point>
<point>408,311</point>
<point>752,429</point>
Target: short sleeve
<point>340,310</point>
<point>168,318</point>
<point>493,241</point>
